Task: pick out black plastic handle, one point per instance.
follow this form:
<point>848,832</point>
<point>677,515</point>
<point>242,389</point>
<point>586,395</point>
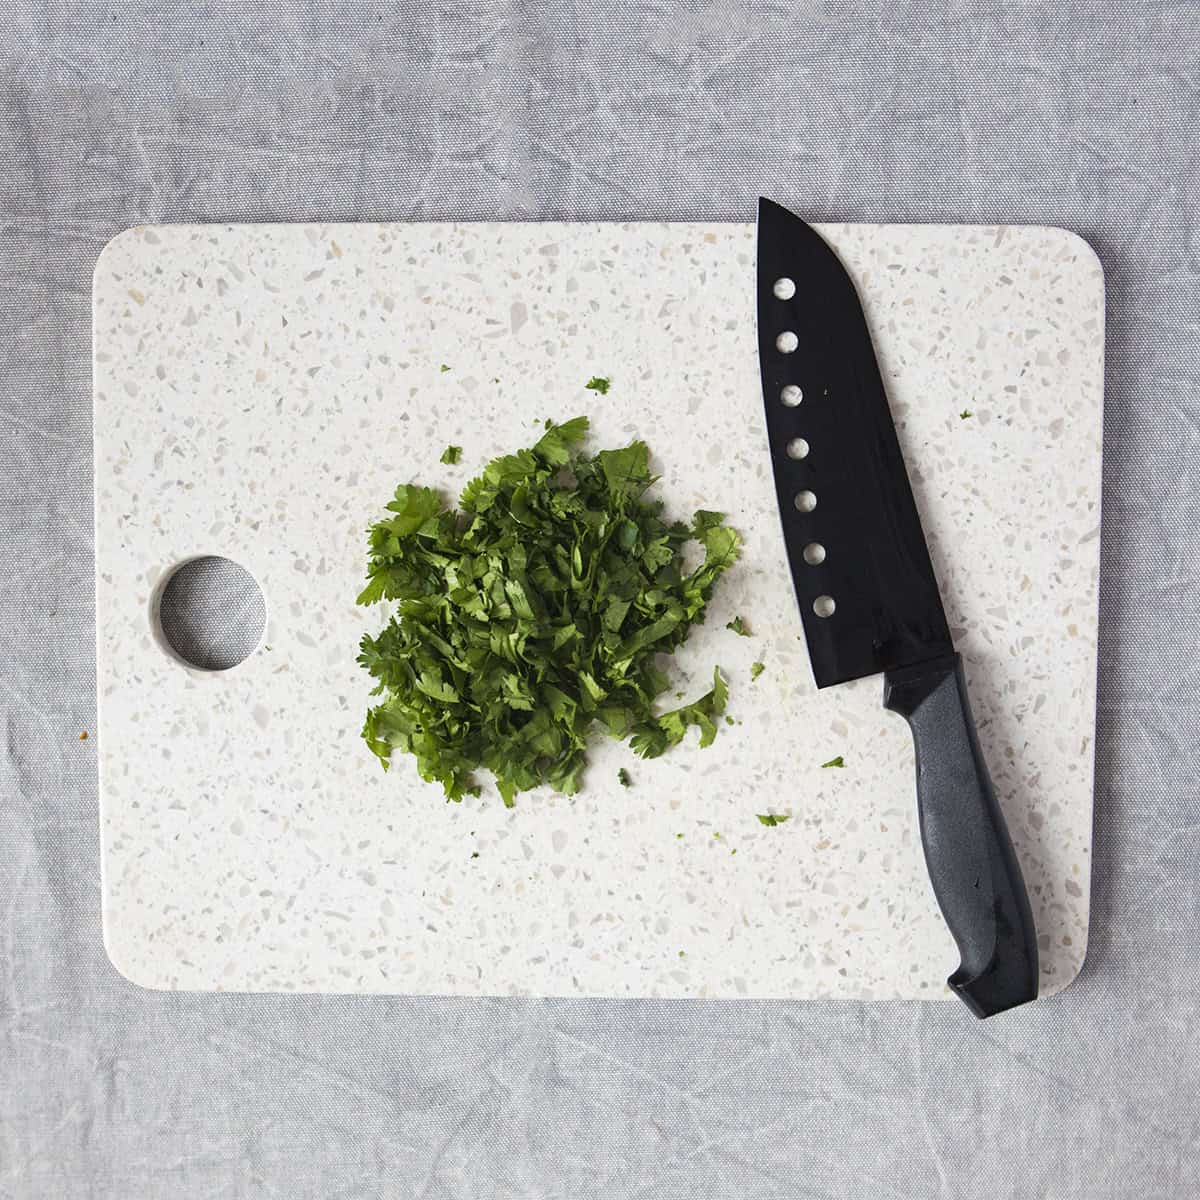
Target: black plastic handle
<point>968,852</point>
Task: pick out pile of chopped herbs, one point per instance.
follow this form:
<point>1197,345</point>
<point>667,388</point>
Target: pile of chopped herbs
<point>535,614</point>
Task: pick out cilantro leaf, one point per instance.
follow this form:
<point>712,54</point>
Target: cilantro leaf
<point>772,818</point>
<point>657,735</point>
<point>598,383</point>
<point>834,762</point>
<point>739,627</point>
<point>451,455</point>
<point>756,669</point>
<point>623,777</point>
<point>534,616</point>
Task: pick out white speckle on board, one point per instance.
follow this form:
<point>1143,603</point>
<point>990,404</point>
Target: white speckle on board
<point>250,840</point>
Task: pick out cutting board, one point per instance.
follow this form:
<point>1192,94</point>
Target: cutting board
<point>260,391</point>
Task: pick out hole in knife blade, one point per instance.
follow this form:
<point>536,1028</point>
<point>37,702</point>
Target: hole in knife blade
<point>797,448</point>
<point>814,554</point>
<point>824,606</point>
<point>805,502</point>
<point>786,342</point>
<point>791,395</point>
<point>784,288</point>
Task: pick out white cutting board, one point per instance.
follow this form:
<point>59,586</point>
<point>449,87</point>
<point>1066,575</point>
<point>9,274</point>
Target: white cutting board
<point>259,392</point>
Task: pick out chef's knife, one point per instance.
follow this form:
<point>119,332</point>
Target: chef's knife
<point>868,596</point>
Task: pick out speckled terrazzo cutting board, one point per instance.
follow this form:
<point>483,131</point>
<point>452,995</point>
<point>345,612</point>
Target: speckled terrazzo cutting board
<point>260,390</point>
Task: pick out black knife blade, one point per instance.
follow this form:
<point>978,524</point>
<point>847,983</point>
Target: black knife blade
<point>862,544</point>
<point>868,596</point>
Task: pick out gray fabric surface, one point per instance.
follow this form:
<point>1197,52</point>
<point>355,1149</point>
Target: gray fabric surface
<point>212,613</point>
<point>1082,115</point>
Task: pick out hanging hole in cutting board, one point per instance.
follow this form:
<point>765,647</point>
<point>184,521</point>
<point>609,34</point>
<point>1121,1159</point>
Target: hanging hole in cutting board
<point>784,288</point>
<point>791,395</point>
<point>787,342</point>
<point>212,613</point>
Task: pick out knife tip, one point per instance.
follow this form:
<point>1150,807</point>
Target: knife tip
<point>772,212</point>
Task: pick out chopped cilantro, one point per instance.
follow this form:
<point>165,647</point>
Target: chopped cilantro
<point>623,777</point>
<point>834,762</point>
<point>444,368</point>
<point>475,855</point>
<point>756,669</point>
<point>535,614</point>
<point>771,818</point>
<point>966,412</point>
<point>598,383</point>
<point>451,455</point>
<point>739,627</point>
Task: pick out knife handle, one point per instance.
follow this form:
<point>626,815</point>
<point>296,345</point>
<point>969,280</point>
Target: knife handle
<point>970,857</point>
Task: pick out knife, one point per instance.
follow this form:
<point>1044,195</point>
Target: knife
<point>868,596</point>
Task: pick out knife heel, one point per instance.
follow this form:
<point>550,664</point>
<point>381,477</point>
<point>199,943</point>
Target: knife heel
<point>970,856</point>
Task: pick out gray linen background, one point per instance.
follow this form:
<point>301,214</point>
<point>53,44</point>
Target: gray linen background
<point>1076,114</point>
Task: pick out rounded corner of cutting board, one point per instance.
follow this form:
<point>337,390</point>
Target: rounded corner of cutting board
<point>1071,237</point>
<point>124,966</point>
<point>1076,967</point>
<point>1078,247</point>
<point>112,250</point>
